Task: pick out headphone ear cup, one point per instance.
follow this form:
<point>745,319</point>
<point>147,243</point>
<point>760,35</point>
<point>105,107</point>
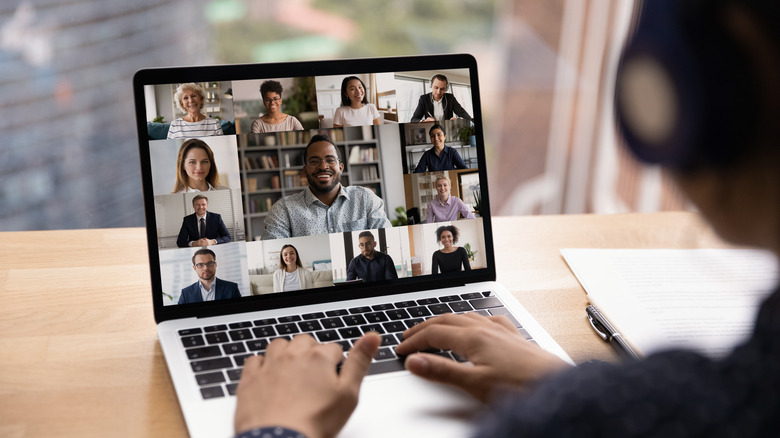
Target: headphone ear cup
<point>683,96</point>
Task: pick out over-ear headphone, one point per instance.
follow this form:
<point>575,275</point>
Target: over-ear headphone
<point>684,95</point>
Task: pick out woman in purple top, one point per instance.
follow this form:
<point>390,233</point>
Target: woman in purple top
<point>445,207</point>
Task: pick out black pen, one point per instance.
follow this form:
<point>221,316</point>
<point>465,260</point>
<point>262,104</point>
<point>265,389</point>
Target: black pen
<point>609,334</point>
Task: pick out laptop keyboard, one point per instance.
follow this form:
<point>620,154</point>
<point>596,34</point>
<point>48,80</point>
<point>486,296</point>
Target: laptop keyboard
<point>217,352</point>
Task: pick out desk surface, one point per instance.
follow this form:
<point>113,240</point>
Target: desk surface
<point>78,345</point>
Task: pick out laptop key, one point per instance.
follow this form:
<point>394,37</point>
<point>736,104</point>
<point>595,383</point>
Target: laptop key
<point>345,345</point>
<point>332,322</point>
<point>327,336</point>
<point>203,352</point>
<point>439,309</point>
<point>448,298</point>
<point>217,338</point>
<point>427,301</point>
<point>309,326</point>
<point>215,328</point>
<point>234,375</point>
<point>375,317</point>
<point>485,303</point>
<point>380,307</point>
<point>372,328</point>
<point>487,293</point>
<point>418,311</point>
<point>460,306</point>
<point>240,335</point>
<point>212,392</point>
<point>191,331</point>
<point>257,344</point>
<point>397,314</point>
<point>385,354</point>
<point>471,296</point>
<point>211,364</point>
<point>265,321</point>
<point>362,309</point>
<point>394,326</point>
<point>210,378</point>
<point>237,347</point>
<point>240,325</point>
<point>413,322</point>
<point>337,312</point>
<point>352,320</point>
<point>505,312</point>
<point>287,329</point>
<point>350,332</point>
<point>193,341</point>
<point>241,358</point>
<point>389,340</point>
<point>265,331</point>
<point>231,388</point>
<point>291,318</point>
<point>402,304</point>
<point>315,315</point>
<point>525,333</point>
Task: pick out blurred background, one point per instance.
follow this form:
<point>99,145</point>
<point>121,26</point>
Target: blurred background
<point>68,146</point>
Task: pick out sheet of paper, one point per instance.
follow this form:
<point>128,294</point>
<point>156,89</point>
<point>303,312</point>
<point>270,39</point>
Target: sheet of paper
<point>700,299</point>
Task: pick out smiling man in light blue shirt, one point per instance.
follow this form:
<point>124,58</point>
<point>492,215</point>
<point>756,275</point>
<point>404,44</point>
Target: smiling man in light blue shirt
<point>325,206</point>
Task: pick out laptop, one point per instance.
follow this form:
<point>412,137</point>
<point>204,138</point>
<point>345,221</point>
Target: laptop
<point>224,287</point>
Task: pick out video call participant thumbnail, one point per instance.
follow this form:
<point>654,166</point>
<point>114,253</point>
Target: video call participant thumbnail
<point>450,258</point>
<point>438,104</point>
<point>203,227</point>
<point>291,275</point>
<point>196,170</point>
<point>370,265</point>
<point>208,287</point>
<point>189,98</point>
<point>444,207</point>
<point>439,157</point>
<point>355,109</point>
<point>324,206</point>
<point>274,119</point>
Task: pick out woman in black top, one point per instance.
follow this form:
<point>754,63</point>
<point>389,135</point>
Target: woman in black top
<point>450,258</point>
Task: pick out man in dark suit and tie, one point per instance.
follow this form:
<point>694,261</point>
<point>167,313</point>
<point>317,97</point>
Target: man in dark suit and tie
<point>202,228</point>
<point>438,105</point>
<point>209,287</point>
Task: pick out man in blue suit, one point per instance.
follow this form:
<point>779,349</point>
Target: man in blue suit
<point>209,287</point>
<point>202,228</point>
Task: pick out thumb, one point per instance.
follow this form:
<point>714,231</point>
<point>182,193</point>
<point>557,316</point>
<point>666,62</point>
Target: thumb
<point>439,369</point>
<point>359,358</point>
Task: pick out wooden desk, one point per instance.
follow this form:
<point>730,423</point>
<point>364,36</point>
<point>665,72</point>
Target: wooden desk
<point>78,344</point>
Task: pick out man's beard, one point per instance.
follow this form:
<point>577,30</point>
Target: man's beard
<point>316,187</point>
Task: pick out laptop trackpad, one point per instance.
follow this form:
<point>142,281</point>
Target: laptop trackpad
<point>403,405</point>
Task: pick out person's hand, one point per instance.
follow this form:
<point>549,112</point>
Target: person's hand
<point>499,354</point>
<point>202,242</point>
<point>295,385</point>
<point>429,119</point>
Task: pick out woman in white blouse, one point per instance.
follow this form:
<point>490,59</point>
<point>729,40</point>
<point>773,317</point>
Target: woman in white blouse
<point>291,276</point>
<point>189,98</point>
<point>355,109</point>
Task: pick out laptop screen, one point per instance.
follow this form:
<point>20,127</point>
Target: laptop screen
<point>312,181</point>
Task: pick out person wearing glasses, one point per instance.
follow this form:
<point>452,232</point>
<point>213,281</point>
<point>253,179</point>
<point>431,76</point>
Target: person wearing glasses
<point>208,287</point>
<point>324,206</point>
<point>274,119</point>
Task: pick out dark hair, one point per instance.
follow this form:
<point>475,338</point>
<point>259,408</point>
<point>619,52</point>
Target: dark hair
<point>182,180</point>
<point>366,234</point>
<point>344,99</point>
<point>440,77</point>
<point>451,228</point>
<point>203,251</point>
<point>318,138</point>
<point>199,197</point>
<point>297,257</point>
<point>437,126</point>
<point>273,86</point>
